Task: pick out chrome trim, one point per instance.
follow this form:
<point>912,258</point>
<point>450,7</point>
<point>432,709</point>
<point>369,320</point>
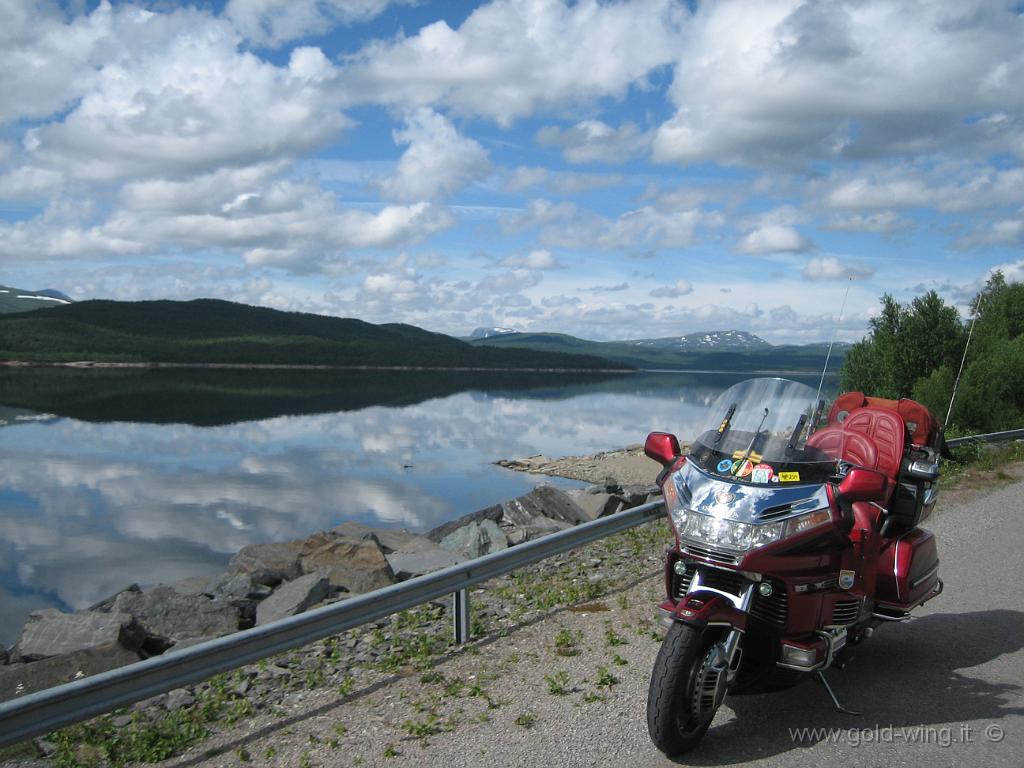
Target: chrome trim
<point>925,576</point>
<point>749,501</point>
<point>742,602</point>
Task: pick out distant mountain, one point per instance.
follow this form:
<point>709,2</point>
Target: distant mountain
<point>486,333</point>
<point>713,350</point>
<point>705,340</point>
<point>19,300</point>
<point>209,331</point>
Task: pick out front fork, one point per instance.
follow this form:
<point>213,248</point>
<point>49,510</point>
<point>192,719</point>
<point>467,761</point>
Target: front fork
<point>704,607</point>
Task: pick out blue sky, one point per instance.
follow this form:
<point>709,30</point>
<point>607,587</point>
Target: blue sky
<point>610,170</point>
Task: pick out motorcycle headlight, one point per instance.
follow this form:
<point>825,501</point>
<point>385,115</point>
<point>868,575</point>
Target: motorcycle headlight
<point>734,535</point>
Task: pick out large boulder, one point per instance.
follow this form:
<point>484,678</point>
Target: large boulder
<point>21,679</point>
<point>595,501</point>
<point>537,526</point>
<point>269,564</point>
<point>543,501</point>
<point>480,537</point>
<point>407,565</point>
<point>293,597</point>
<point>170,617</point>
<point>390,541</point>
<point>49,632</point>
<point>353,565</point>
<point>493,513</point>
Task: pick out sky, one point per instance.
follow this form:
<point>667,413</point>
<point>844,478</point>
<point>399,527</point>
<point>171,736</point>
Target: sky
<point>611,170</point>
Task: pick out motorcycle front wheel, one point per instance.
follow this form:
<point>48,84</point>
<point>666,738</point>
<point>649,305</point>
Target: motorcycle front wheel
<point>671,721</point>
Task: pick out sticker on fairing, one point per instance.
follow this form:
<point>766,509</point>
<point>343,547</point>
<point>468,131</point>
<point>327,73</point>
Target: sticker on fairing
<point>846,579</point>
<point>762,474</point>
<point>742,467</point>
<point>789,477</point>
<point>724,465</point>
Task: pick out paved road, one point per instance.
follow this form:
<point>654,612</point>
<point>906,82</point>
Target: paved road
<point>942,690</point>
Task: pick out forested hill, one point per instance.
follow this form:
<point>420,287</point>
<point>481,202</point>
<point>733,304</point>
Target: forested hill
<point>210,331</point>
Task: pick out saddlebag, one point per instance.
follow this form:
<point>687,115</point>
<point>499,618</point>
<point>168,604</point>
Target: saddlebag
<point>908,570</point>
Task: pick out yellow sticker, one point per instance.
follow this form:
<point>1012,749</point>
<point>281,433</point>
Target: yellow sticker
<point>789,477</point>
<point>754,457</point>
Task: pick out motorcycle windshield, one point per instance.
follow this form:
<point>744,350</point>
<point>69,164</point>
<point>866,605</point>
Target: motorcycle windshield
<point>757,434</point>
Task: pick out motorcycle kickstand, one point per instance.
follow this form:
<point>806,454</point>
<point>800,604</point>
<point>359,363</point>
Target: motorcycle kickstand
<point>820,677</point>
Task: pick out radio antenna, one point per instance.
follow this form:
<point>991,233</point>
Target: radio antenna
<point>962,361</point>
<point>832,341</point>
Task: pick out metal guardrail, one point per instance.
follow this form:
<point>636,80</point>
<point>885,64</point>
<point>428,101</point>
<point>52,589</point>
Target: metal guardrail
<point>39,713</point>
<point>990,437</point>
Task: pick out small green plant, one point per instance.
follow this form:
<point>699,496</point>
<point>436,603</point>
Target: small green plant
<point>421,729</point>
<point>565,642</point>
<point>605,679</point>
<point>623,601</point>
<point>341,729</point>
<point>269,753</point>
<point>613,639</point>
<point>526,720</point>
<point>243,755</point>
<point>432,676</point>
<point>558,683</point>
<point>390,751</point>
<point>619,661</point>
<point>590,697</point>
<point>346,685</point>
<point>305,761</point>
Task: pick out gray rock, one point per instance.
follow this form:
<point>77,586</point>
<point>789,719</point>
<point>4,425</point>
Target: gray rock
<point>233,585</point>
<point>594,501</point>
<point>45,748</point>
<point>169,616</point>
<point>106,604</point>
<point>293,597</point>
<point>179,698</point>
<point>194,585</point>
<point>493,514</point>
<point>20,679</point>
<point>354,565</point>
<point>537,527</point>
<point>635,495</point>
<point>4,655</point>
<point>407,565</point>
<point>542,501</point>
<point>49,632</point>
<point>480,537</point>
<point>269,564</point>
<point>390,541</point>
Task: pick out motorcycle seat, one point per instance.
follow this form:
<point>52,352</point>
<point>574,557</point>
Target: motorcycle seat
<point>887,431</point>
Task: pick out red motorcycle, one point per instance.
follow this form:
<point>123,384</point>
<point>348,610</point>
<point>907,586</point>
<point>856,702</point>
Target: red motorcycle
<point>792,542</point>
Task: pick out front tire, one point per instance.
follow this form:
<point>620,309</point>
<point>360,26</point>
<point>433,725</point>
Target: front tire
<point>671,722</point>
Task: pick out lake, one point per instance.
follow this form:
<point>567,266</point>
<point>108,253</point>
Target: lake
<point>113,477</point>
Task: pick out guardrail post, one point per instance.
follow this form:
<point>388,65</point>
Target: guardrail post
<point>460,615</point>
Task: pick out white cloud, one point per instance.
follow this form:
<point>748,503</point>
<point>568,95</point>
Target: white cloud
<point>592,141</point>
<point>438,162</point>
<point>680,288</point>
<point>774,238</point>
<point>272,22</point>
<point>780,82</point>
<point>883,222</point>
<point>538,213</point>
<point>511,58</point>
<point>538,259</point>
<point>830,268</point>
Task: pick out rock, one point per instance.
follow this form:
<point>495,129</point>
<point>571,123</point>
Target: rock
<point>537,527</point>
<point>45,748</point>
<point>635,495</point>
<point>543,501</point>
<point>194,585</point>
<point>390,541</point>
<point>354,565</point>
<point>19,679</point>
<point>179,698</point>
<point>407,565</point>
<point>594,501</point>
<point>235,585</point>
<point>493,514</point>
<point>169,617</point>
<point>4,655</point>
<point>49,632</point>
<point>477,538</point>
<point>106,604</point>
<point>293,597</point>
<point>269,564</point>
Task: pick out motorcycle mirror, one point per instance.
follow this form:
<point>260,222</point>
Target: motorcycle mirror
<point>862,484</point>
<point>662,447</point>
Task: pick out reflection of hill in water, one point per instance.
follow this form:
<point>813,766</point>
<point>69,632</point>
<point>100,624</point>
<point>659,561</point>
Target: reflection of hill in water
<point>215,397</point>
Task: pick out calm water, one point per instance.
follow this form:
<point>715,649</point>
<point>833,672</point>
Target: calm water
<point>115,477</point>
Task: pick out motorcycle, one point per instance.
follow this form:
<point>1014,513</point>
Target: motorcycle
<point>796,535</point>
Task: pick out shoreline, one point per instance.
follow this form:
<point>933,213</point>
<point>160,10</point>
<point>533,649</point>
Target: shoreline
<point>86,364</point>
